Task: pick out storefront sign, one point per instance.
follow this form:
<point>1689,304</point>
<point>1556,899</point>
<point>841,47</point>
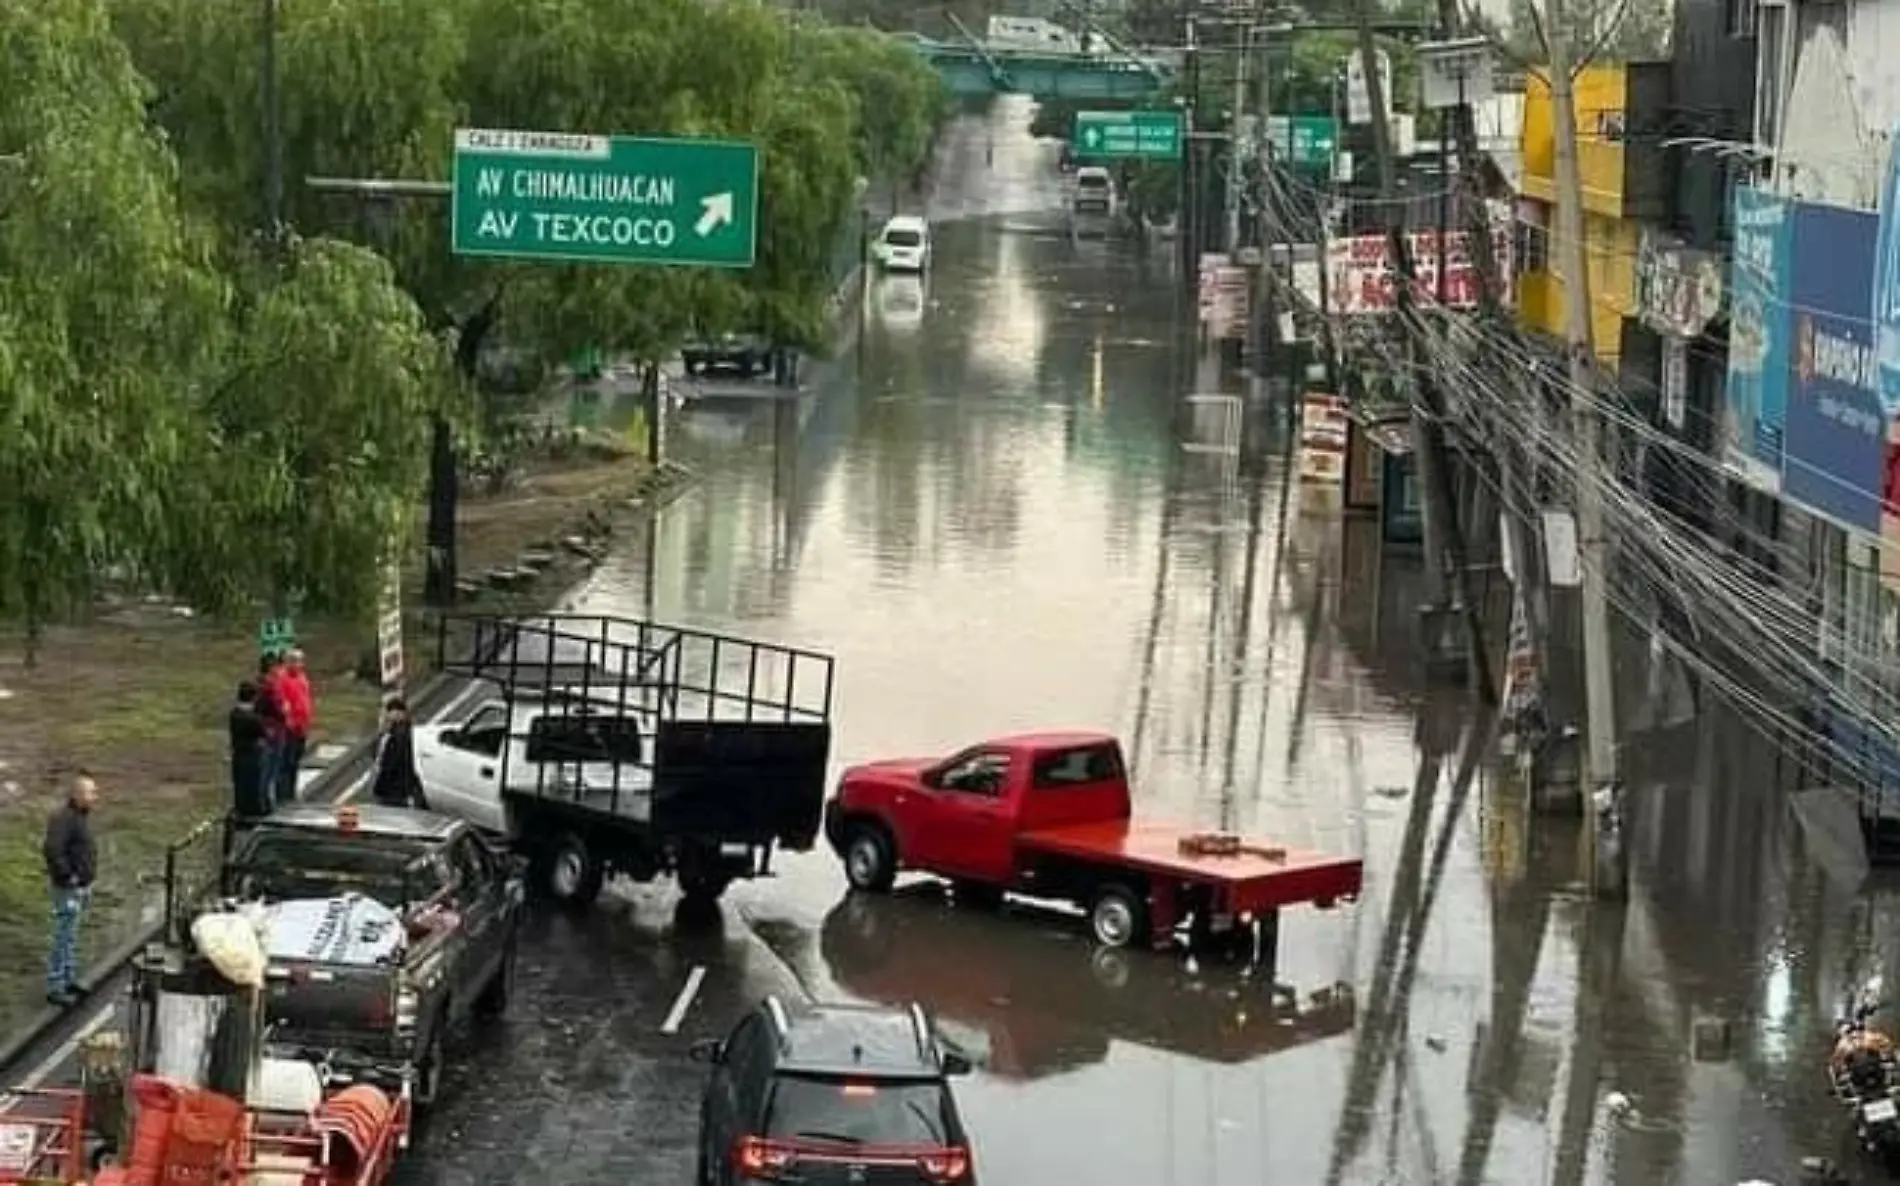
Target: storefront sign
<point>1362,279</point>
<point>1886,315</point>
<point>1678,290</point>
<point>1759,331</point>
<point>1835,433</point>
<point>1223,297</point>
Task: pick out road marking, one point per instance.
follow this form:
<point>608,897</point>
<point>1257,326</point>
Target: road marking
<point>684,1001</point>
<point>58,1058</point>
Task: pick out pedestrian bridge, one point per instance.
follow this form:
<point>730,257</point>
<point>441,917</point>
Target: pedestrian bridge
<point>976,68</point>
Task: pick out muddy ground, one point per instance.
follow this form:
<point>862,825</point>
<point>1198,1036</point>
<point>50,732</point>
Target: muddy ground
<point>137,698</point>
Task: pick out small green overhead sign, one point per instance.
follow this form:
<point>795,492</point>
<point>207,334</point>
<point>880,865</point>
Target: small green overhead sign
<point>1128,135</point>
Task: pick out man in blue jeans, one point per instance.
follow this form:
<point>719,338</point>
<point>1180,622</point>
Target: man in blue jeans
<point>71,862</point>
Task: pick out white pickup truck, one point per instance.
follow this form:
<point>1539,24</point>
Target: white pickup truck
<point>559,752</point>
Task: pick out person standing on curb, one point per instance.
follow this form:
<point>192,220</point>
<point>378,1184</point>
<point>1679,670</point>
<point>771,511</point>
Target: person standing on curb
<point>270,710</point>
<point>300,710</point>
<point>250,798</point>
<point>397,784</point>
<point>71,862</point>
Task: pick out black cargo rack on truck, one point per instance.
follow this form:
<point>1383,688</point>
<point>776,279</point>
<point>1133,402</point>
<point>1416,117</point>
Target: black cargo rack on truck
<point>642,748</point>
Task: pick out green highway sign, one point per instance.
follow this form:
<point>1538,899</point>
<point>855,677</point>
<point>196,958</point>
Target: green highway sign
<point>1142,135</point>
<point>605,199</point>
<point>1307,141</point>
<point>275,636</point>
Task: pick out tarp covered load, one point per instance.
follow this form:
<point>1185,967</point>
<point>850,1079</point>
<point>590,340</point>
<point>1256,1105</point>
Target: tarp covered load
<point>350,929</point>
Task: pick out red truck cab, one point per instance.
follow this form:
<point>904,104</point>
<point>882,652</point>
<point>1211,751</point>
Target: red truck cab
<point>1049,815</point>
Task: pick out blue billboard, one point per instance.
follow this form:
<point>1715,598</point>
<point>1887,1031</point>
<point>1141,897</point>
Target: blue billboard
<point>1835,434</point>
<point>1750,439</point>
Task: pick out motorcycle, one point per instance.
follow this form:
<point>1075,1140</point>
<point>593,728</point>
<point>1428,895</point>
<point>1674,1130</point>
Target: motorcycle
<point>1864,1073</point>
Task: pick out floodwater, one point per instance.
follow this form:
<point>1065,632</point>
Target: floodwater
<point>998,511</point>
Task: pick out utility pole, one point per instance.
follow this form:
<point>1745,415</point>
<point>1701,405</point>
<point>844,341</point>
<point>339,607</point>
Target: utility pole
<point>1244,34</point>
<point>1186,220</point>
<point>1608,856</point>
<point>271,102</point>
<point>1444,537</point>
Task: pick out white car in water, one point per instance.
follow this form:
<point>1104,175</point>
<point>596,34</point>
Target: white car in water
<point>903,245</point>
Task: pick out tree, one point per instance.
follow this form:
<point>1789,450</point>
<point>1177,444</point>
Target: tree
<point>1598,30</point>
<point>105,313</point>
<point>315,432</point>
<point>376,90</point>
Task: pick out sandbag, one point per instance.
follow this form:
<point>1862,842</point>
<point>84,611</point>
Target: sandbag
<point>232,946</point>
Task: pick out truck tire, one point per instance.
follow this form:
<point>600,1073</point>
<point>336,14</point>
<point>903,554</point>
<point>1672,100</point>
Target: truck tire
<point>570,872</point>
<point>703,887</point>
<point>429,1066</point>
<point>1117,916</point>
<point>870,860</point>
<point>493,1001</point>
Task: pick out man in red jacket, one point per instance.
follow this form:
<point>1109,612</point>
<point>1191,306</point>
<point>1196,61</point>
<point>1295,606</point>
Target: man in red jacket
<point>300,710</point>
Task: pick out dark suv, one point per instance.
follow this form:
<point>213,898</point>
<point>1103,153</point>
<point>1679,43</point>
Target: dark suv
<point>823,1094</point>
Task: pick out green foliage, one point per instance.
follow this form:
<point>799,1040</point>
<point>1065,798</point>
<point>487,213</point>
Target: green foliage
<point>376,90</point>
<point>222,433</point>
<point>103,312</point>
<point>317,426</point>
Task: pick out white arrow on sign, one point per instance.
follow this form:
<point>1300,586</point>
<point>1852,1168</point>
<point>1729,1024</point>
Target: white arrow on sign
<point>716,211</point>
<point>1092,137</point>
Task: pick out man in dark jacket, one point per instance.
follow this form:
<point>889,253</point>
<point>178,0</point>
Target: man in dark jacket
<point>397,783</point>
<point>71,862</point>
<point>250,798</point>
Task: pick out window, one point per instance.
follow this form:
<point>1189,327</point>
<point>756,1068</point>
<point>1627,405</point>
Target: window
<point>558,739</point>
<point>903,237</point>
<point>1077,767</point>
<point>1741,18</point>
<point>485,741</point>
<point>858,1113</point>
<point>1532,248</point>
<point>1771,72</point>
<point>979,774</point>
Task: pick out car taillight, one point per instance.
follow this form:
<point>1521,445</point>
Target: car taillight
<point>945,1165</point>
<point>754,1157</point>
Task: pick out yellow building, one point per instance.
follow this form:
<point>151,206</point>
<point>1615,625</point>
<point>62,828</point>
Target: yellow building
<point>1610,232</point>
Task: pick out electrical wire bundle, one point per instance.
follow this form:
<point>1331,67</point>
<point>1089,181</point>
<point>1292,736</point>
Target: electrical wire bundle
<point>1749,630</point>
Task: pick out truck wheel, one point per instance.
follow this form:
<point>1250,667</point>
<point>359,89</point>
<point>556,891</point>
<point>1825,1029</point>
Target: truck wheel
<point>869,863</point>
<point>429,1066</point>
<point>494,999</point>
<point>977,895</point>
<point>703,888</point>
<point>571,874</point>
<point>1117,916</point>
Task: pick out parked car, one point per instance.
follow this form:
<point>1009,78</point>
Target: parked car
<point>744,354</point>
<point>384,928</point>
<point>1049,815</point>
<point>903,245</point>
<point>610,745</point>
<point>830,1095</point>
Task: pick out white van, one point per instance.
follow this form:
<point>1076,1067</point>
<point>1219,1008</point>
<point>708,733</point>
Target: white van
<point>903,245</point>
<point>1094,191</point>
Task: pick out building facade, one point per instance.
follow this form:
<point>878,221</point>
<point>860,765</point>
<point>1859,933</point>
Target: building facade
<point>1621,186</point>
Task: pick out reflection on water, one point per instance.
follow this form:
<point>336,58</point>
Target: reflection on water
<point>998,512</point>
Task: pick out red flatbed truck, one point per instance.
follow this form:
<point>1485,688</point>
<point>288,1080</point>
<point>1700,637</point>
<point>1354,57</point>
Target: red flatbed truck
<point>1049,815</point>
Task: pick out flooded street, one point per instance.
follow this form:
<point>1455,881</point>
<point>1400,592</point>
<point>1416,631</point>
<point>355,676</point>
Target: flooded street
<point>999,512</point>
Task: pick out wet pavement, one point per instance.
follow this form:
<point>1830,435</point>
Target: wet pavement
<point>998,512</point>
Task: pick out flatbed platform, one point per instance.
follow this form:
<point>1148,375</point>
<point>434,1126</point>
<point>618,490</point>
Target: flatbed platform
<point>1256,882</point>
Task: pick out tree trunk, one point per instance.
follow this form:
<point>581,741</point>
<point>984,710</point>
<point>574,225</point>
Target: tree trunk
<point>444,478</point>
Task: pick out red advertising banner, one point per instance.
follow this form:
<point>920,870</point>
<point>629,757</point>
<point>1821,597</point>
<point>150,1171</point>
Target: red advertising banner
<point>1361,279</point>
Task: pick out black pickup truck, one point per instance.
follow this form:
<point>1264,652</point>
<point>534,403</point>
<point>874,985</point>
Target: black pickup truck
<point>382,927</point>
